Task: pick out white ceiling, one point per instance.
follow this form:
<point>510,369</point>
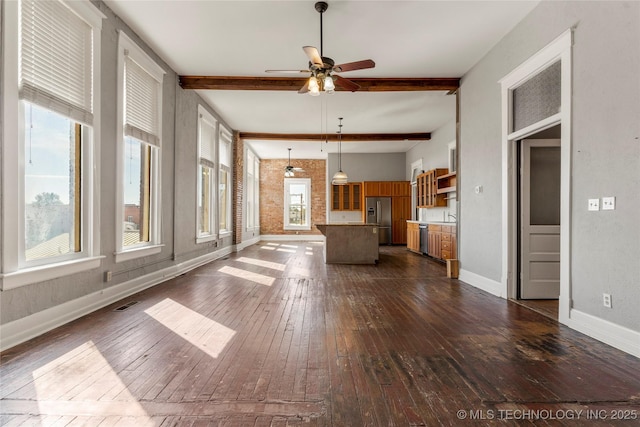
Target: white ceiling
<point>404,38</point>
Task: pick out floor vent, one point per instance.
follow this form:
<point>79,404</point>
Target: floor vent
<point>126,306</point>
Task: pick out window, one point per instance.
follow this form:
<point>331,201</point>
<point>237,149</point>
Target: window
<point>253,191</point>
<point>297,211</point>
<point>50,108</point>
<point>207,126</point>
<point>224,183</point>
<point>140,134</point>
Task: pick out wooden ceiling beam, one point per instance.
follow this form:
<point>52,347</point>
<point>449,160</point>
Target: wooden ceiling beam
<point>346,137</point>
<point>410,84</point>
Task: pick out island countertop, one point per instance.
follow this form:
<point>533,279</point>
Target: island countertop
<point>350,243</point>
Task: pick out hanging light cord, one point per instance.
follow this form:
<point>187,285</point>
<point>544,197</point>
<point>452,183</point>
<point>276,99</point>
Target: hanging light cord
<point>340,143</point>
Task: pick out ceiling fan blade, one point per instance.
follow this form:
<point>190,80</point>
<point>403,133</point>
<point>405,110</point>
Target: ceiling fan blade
<point>286,71</point>
<point>313,55</point>
<point>351,66</point>
<point>345,83</point>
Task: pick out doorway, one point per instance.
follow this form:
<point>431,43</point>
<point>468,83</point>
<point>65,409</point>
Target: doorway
<point>539,219</point>
<point>536,96</point>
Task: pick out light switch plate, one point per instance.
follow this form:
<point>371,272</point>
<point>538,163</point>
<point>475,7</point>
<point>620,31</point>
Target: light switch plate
<point>594,204</point>
<point>608,203</point>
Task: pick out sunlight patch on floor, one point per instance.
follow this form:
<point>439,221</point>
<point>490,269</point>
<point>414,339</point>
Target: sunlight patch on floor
<point>291,251</point>
<point>204,333</point>
<point>56,382</point>
<point>248,275</point>
<point>262,263</point>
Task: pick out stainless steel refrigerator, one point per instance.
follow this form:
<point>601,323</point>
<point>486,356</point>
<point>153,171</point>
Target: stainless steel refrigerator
<point>379,212</point>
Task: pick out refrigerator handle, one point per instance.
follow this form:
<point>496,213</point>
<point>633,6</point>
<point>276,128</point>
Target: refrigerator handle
<point>378,211</point>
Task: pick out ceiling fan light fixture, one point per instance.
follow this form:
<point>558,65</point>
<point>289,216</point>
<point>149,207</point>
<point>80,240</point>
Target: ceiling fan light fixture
<point>329,87</point>
<point>314,87</point>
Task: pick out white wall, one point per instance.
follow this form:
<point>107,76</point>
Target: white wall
<point>605,246</point>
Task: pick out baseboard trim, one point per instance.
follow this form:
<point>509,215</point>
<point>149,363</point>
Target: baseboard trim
<point>292,237</point>
<point>245,244</point>
<point>617,336</point>
<point>481,282</point>
<point>26,328</point>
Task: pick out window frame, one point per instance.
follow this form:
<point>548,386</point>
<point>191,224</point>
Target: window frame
<point>225,137</point>
<point>252,181</point>
<point>204,115</point>
<point>16,271</point>
<point>126,47</point>
<point>287,183</point>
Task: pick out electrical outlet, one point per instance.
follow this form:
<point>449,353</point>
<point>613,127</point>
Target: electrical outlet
<point>594,204</point>
<point>606,300</point>
<point>107,276</point>
<point>608,203</point>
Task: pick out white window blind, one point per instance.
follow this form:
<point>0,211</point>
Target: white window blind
<point>207,142</point>
<point>225,147</point>
<point>142,103</point>
<point>56,59</point>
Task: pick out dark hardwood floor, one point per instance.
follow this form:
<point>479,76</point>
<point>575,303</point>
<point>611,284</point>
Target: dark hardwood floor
<point>273,336</point>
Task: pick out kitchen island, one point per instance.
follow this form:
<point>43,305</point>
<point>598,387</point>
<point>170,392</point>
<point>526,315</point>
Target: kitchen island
<point>350,243</point>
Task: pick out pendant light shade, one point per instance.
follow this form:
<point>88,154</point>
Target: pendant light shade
<point>340,178</point>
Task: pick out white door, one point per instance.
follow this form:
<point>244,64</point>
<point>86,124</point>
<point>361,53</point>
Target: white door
<point>540,219</point>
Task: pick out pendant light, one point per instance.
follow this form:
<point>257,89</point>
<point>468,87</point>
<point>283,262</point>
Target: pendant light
<point>288,171</point>
<point>340,178</point>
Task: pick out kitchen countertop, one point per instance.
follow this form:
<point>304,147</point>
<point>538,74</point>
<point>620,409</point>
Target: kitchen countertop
<point>432,222</point>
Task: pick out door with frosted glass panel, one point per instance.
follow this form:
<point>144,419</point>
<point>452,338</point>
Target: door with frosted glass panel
<point>540,219</point>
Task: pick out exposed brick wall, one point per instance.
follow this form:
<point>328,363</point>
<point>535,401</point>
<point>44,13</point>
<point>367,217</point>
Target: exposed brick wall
<point>272,193</point>
<point>238,187</point>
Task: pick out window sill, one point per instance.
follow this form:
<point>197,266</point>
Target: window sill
<point>205,239</point>
<point>293,228</point>
<point>47,272</point>
<point>138,252</point>
<point>225,234</point>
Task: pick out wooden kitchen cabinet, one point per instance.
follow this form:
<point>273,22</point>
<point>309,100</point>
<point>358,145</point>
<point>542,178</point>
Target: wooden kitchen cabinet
<point>427,184</point>
<point>413,237</point>
<point>400,213</point>
<point>378,188</point>
<point>442,241</point>
<point>446,183</point>
<point>400,188</point>
<point>435,241</point>
<point>347,197</point>
<point>448,246</point>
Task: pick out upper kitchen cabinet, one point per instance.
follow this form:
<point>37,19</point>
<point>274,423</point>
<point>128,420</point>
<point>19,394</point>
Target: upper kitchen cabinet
<point>427,184</point>
<point>377,188</point>
<point>446,183</point>
<point>347,197</point>
<point>400,188</point>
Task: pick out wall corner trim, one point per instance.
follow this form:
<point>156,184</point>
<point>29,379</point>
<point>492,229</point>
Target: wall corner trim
<point>483,283</point>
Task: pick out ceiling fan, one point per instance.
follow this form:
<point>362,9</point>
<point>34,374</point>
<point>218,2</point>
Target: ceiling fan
<point>323,69</point>
<point>288,170</point>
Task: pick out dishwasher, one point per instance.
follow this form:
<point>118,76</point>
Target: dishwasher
<point>424,238</point>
